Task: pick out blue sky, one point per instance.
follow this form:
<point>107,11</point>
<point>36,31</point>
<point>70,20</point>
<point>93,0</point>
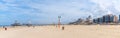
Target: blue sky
<point>46,11</point>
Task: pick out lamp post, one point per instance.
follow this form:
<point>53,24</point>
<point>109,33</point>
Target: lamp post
<point>59,23</point>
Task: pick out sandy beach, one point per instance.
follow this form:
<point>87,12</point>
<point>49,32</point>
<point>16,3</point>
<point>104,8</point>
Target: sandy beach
<point>70,31</point>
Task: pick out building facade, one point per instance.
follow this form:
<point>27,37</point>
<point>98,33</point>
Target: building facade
<point>106,19</point>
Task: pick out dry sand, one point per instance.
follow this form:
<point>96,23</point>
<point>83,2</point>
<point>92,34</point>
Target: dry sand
<point>72,31</point>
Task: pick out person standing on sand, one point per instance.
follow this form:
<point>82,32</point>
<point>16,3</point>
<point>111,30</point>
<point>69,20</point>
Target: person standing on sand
<point>5,28</point>
<point>63,27</point>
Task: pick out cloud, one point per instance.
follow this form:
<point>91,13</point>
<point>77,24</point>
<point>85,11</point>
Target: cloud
<point>109,5</point>
<point>46,11</point>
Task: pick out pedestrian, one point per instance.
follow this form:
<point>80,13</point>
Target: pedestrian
<point>63,28</point>
<point>5,28</point>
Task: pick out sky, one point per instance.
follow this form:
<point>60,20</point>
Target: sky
<point>47,11</point>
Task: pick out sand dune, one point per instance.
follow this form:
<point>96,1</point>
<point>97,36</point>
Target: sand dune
<point>72,31</point>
